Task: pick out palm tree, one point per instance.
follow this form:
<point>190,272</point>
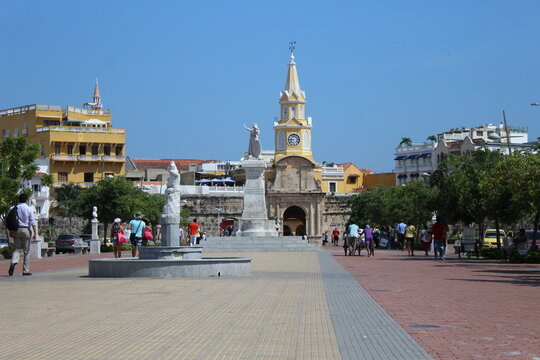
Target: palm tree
<point>431,138</point>
<point>405,142</point>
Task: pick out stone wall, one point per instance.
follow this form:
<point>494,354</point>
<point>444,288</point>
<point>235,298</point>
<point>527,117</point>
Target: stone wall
<point>336,212</point>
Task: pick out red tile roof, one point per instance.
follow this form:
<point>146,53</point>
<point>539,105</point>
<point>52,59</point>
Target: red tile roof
<point>181,164</point>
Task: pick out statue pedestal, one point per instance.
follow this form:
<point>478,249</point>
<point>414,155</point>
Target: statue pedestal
<point>170,230</point>
<point>254,220</point>
<point>35,249</point>
<point>95,244</point>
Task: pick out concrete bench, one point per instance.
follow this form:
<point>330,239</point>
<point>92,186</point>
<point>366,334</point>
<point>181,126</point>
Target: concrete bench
<point>80,249</point>
<point>48,251</point>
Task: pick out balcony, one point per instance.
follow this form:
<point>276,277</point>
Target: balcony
<point>58,157</point>
<point>89,158</point>
<point>333,173</point>
<point>88,111</point>
<point>40,195</point>
<point>114,158</point>
<point>81,129</point>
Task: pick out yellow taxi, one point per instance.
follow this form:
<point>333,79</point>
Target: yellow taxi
<point>490,238</point>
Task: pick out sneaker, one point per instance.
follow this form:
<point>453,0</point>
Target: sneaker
<point>27,274</point>
<point>11,269</point>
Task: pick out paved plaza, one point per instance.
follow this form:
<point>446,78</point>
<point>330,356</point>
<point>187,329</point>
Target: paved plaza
<point>295,305</point>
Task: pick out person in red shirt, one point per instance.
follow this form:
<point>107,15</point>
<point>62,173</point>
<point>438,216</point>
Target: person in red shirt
<point>440,231</point>
<point>335,236</point>
<point>193,230</point>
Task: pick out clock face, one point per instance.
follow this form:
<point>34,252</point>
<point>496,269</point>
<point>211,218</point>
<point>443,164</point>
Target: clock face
<point>293,139</point>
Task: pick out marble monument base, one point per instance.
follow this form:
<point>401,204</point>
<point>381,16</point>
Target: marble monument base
<point>256,227</point>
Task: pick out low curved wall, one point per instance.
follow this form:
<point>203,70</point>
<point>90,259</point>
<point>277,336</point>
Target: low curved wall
<point>135,267</point>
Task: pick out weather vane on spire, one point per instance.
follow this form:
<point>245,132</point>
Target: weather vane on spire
<point>292,46</point>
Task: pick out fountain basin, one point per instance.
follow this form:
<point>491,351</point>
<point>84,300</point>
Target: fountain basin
<point>169,268</point>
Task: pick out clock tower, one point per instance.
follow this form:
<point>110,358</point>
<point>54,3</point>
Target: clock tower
<point>292,132</point>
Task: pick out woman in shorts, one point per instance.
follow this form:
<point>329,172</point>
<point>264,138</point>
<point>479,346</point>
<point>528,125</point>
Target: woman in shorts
<point>117,236</point>
<point>368,241</point>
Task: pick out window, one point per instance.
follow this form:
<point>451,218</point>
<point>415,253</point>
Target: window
<point>281,140</point>
<point>82,150</point>
<point>119,149</point>
<point>57,149</point>
<point>6,132</point>
<point>63,177</point>
<point>480,133</point>
<point>332,187</point>
<point>88,177</point>
<point>107,150</point>
<point>38,209</point>
<point>293,111</point>
<point>351,179</point>
<point>95,149</point>
<point>25,129</point>
<point>16,132</point>
<point>36,187</point>
<point>70,149</point>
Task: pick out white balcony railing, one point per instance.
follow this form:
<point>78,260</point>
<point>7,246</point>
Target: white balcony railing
<point>59,157</point>
<point>81,129</point>
<point>88,111</point>
<point>114,158</point>
<point>89,158</point>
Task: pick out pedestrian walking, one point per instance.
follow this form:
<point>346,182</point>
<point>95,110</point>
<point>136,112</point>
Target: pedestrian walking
<point>335,236</point>
<point>369,241</point>
<point>377,236</point>
<point>23,235</point>
<point>182,235</point>
<point>136,226</point>
<point>117,237</point>
<point>400,230</point>
<point>324,238</point>
<point>410,235</point>
<point>193,230</point>
<point>440,231</point>
<point>425,239</point>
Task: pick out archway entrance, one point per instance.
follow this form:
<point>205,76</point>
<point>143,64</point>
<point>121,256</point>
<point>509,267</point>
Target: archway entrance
<point>294,221</point>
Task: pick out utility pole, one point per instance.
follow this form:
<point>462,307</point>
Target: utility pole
<point>507,134</point>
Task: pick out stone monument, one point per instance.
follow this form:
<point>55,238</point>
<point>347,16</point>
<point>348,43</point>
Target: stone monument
<point>35,246</point>
<point>254,220</point>
<point>95,247</point>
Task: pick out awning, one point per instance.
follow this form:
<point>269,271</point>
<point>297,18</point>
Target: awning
<point>424,155</point>
<point>401,157</point>
<point>415,175</point>
<point>354,175</point>
<point>402,176</point>
<point>412,156</point>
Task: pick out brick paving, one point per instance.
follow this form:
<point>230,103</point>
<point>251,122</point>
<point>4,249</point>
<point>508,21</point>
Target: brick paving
<point>485,310</point>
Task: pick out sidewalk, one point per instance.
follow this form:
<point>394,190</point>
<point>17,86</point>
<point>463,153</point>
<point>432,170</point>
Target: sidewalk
<point>485,310</point>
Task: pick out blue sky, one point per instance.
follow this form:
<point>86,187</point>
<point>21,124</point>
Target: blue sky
<point>184,76</point>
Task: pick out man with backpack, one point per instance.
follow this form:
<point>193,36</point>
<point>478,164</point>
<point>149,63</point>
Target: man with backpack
<point>21,231</point>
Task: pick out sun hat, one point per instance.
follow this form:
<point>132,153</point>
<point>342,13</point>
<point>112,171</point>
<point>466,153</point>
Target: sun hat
<point>117,220</point>
<point>138,215</point>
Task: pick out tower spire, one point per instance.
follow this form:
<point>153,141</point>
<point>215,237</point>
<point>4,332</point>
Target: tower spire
<point>96,104</point>
<point>292,84</point>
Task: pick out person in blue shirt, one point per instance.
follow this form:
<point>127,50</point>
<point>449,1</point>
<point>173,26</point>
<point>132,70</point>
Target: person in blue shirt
<point>26,232</point>
<point>400,230</point>
<point>136,226</point>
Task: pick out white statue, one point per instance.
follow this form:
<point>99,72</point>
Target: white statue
<point>254,149</point>
<point>94,212</point>
<point>172,193</point>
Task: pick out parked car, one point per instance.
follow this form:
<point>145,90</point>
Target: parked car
<point>65,243</point>
<point>3,242</point>
<point>490,238</point>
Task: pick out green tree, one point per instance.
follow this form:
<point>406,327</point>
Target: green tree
<point>431,138</point>
<point>405,141</point>
<point>458,180</point>
<point>117,197</point>
<point>17,158</point>
<point>67,197</point>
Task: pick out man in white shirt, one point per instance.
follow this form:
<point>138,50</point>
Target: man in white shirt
<point>21,237</point>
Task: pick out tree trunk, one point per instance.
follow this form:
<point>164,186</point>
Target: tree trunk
<point>498,235</point>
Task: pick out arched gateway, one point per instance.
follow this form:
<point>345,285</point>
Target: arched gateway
<point>294,221</point>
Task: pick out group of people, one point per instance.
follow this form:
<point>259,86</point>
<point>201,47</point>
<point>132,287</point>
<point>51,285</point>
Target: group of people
<point>140,233</point>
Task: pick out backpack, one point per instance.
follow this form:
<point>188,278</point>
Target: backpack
<point>115,230</point>
<point>12,219</point>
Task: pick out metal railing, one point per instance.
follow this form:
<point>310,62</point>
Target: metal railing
<point>60,157</point>
<point>88,111</point>
<point>114,158</point>
<point>89,157</point>
<point>81,129</point>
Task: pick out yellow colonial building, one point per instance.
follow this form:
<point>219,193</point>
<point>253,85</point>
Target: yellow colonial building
<point>78,145</point>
